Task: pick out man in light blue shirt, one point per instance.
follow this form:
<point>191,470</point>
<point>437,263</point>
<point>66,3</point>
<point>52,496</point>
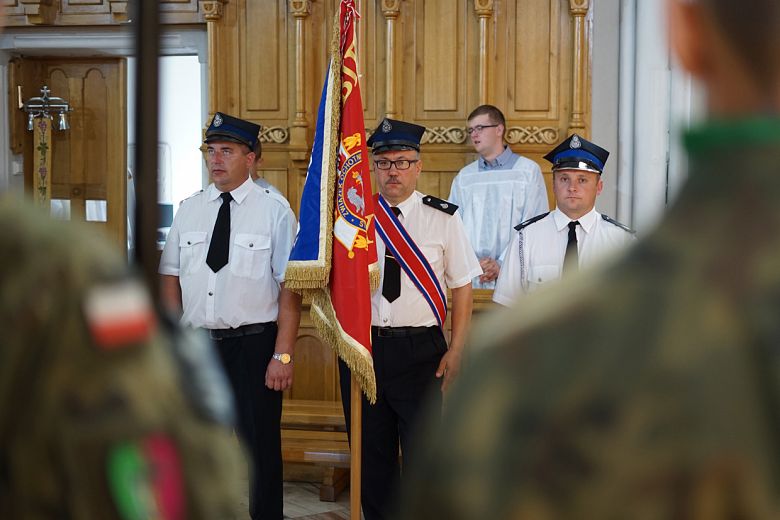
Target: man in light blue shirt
<point>496,192</point>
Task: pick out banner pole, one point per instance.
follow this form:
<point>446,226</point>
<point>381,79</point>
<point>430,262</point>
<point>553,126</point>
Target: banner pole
<point>356,442</point>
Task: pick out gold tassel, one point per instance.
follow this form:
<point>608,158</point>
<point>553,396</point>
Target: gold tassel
<point>324,318</point>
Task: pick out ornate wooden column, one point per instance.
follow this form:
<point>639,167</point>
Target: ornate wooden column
<point>390,9</point>
<point>484,10</point>
<point>212,12</point>
<point>580,59</point>
<point>300,9</point>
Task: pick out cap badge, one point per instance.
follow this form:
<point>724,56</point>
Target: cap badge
<point>386,126</point>
<point>575,142</point>
<point>217,120</point>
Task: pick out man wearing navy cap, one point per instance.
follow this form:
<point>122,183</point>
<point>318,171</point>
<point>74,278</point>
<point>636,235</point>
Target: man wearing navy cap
<point>407,314</point>
<point>571,236</point>
<point>223,270</point>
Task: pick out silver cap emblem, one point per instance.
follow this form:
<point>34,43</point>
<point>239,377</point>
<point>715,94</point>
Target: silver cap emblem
<point>217,120</point>
<point>386,126</point>
<point>575,142</point>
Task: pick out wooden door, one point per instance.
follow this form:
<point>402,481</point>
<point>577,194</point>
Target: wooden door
<point>89,175</point>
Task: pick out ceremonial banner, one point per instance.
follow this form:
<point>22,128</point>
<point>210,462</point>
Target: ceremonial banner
<point>334,257</point>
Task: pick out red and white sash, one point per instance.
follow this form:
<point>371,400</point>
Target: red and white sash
<point>410,258</point>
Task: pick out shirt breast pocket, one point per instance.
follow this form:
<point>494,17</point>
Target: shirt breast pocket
<point>541,274</point>
<point>251,255</point>
<point>192,251</point>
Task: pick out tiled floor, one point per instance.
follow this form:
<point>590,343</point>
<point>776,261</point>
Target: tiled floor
<point>302,502</point>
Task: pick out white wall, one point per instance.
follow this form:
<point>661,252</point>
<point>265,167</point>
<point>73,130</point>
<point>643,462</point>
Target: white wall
<point>641,101</point>
<point>180,123</point>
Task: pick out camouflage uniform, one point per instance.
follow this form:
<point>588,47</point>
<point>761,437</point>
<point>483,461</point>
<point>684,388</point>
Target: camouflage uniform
<point>94,421</point>
<point>648,389</point>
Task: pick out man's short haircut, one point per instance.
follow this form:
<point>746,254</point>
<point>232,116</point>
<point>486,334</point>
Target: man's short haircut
<point>258,150</point>
<point>752,28</point>
<point>495,115</point>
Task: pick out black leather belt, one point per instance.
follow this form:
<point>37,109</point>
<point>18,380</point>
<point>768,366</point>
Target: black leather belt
<point>399,332</point>
<point>243,330</point>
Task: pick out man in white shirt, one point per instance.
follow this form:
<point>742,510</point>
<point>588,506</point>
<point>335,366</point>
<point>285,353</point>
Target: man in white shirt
<point>573,235</point>
<point>409,348</point>
<point>223,268</point>
<point>496,192</point>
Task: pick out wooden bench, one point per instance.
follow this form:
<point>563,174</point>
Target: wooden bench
<point>314,432</point>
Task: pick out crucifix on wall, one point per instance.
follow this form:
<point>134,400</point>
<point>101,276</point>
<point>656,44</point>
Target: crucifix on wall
<point>40,112</point>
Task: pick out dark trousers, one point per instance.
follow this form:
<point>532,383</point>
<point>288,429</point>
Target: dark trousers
<point>245,360</point>
<point>406,380</point>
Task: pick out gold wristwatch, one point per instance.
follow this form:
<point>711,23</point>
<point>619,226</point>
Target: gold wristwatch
<point>284,358</point>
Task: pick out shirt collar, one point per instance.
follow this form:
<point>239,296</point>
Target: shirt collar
<point>499,162</point>
<point>409,204</point>
<point>239,194</point>
<point>587,221</point>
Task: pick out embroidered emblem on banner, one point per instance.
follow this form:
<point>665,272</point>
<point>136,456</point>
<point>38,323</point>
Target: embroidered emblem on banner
<point>351,225</point>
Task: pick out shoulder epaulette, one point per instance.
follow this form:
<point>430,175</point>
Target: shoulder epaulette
<point>530,221</point>
<point>278,197</point>
<point>188,198</point>
<point>618,224</point>
<point>441,205</point>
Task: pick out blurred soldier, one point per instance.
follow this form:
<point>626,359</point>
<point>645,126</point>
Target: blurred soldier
<point>423,248</point>
<point>572,236</point>
<point>223,269</point>
<point>105,412</point>
<point>496,192</point>
<point>650,389</point>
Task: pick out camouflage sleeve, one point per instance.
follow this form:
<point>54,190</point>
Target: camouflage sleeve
<point>92,400</point>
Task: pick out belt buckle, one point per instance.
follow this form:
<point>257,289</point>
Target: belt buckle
<point>384,332</point>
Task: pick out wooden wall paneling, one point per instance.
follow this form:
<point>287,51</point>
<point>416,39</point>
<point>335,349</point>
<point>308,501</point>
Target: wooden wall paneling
<point>86,164</point>
<point>263,61</point>
<point>370,34</point>
<point>93,12</point>
<point>436,83</point>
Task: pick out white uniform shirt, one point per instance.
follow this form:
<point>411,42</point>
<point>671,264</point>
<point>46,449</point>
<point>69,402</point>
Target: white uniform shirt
<point>246,290</point>
<point>443,241</point>
<point>544,247</point>
<point>493,201</point>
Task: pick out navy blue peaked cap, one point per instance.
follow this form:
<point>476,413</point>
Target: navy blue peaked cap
<point>228,128</point>
<point>577,153</point>
<point>395,135</point>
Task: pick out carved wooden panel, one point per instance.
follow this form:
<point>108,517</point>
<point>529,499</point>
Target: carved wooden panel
<point>438,77</point>
<point>89,160</point>
<point>91,12</point>
<point>263,43</point>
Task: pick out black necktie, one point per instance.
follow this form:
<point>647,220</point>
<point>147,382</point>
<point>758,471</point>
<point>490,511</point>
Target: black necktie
<point>391,287</point>
<point>217,257</point>
<point>571,258</point>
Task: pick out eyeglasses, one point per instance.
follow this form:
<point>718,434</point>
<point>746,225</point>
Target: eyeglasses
<point>478,129</point>
<point>400,164</point>
<point>224,152</point>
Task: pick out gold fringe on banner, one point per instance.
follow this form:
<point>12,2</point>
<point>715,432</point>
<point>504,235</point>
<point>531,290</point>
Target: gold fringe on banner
<point>357,358</point>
